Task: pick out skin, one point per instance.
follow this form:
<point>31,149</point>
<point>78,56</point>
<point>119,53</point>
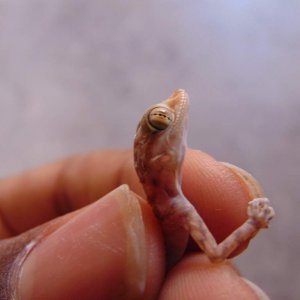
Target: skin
<point>42,204</point>
<point>68,230</point>
<point>159,150</point>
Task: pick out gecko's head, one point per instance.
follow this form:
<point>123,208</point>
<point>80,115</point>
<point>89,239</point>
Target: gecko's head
<point>164,125</point>
<point>160,139</point>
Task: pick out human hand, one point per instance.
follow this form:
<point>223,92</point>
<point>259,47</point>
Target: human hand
<point>60,242</point>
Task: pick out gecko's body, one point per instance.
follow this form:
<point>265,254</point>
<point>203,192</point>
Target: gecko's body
<point>159,150</point>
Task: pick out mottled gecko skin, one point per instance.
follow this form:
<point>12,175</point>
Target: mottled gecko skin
<point>159,149</point>
<point>158,156</point>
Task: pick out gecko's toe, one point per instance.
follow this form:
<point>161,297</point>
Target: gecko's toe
<point>260,211</point>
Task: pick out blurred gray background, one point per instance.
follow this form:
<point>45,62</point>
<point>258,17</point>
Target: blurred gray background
<point>76,76</point>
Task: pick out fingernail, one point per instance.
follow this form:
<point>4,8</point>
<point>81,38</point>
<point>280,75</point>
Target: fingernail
<point>136,245</point>
<point>257,290</point>
<point>252,184</point>
<point>100,252</point>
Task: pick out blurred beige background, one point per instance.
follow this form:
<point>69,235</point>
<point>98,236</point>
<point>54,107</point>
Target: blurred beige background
<point>77,75</point>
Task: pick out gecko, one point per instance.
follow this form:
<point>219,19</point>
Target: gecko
<point>159,150</point>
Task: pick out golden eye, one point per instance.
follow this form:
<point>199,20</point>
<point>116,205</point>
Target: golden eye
<point>160,118</point>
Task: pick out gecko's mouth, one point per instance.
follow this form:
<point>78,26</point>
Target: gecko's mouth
<point>179,103</point>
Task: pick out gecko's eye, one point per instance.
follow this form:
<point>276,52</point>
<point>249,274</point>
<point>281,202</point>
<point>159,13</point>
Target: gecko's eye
<point>160,118</point>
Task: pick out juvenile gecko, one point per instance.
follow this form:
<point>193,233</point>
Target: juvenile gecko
<point>159,149</point>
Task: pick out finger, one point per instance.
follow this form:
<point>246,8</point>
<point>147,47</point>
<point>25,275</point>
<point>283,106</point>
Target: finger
<point>195,277</point>
<point>35,197</point>
<point>104,251</point>
<point>220,193</point>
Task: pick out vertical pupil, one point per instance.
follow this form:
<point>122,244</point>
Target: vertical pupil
<point>160,118</point>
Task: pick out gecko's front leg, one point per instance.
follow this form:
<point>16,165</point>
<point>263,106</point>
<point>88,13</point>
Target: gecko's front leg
<point>259,215</point>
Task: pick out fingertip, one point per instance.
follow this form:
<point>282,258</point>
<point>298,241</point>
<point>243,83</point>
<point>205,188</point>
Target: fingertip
<point>105,250</point>
<point>217,193</point>
<point>195,277</point>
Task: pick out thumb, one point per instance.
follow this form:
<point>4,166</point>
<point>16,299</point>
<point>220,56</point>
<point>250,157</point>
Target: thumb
<point>102,251</point>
